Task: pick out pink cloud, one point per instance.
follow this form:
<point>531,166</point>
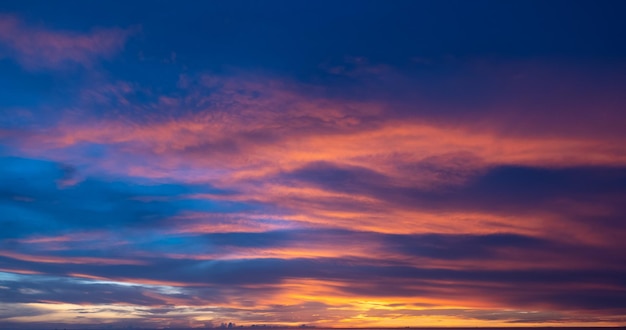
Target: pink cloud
<point>36,47</point>
<point>246,131</point>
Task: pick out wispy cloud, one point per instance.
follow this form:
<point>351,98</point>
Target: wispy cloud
<point>37,47</point>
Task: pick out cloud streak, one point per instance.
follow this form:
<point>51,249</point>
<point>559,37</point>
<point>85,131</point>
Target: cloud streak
<point>37,48</point>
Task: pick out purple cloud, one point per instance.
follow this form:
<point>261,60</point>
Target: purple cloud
<point>36,47</point>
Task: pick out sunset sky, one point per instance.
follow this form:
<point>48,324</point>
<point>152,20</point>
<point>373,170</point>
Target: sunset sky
<point>329,163</point>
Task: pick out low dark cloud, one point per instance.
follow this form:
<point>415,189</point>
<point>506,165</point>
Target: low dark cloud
<point>361,277</point>
<point>19,310</point>
<point>74,291</point>
<point>501,189</point>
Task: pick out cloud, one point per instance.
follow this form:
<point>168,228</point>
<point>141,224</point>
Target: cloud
<point>210,282</point>
<point>502,190</point>
<point>249,197</point>
<point>37,48</point>
<point>18,310</point>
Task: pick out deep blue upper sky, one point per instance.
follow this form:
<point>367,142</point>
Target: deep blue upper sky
<point>296,36</point>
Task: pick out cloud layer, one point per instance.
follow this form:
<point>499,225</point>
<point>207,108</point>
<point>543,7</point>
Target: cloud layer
<point>451,192</point>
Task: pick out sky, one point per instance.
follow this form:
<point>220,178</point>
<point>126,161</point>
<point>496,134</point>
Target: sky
<point>328,163</point>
